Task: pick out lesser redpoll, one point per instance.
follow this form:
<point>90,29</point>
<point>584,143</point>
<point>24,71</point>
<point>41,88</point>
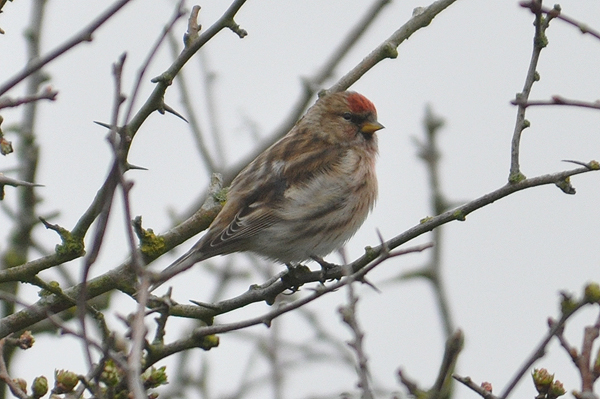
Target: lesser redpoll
<point>303,197</point>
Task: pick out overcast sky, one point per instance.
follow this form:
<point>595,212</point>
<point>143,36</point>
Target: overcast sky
<point>503,266</point>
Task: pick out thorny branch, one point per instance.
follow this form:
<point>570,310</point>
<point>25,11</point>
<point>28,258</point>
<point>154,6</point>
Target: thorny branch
<point>120,278</point>
<point>268,317</point>
<point>178,13</point>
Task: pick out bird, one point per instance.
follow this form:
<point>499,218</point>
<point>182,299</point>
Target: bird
<point>303,197</point>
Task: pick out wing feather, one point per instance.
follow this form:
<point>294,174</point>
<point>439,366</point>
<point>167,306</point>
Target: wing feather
<point>284,183</point>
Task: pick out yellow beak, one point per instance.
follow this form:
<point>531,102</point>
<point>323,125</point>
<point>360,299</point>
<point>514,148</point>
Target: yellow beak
<point>371,127</point>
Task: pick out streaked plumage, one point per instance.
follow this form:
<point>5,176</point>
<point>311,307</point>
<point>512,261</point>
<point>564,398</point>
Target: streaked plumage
<point>304,196</point>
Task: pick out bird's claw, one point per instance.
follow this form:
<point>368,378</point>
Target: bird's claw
<point>293,278</point>
<point>325,266</point>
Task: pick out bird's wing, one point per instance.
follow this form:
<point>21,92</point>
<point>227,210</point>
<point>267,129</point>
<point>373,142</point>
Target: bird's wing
<point>284,183</point>
<point>248,222</point>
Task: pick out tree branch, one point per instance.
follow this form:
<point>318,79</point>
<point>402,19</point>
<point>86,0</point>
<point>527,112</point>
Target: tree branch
<point>84,36</point>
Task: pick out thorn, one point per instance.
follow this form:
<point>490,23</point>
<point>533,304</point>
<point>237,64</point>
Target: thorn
<point>586,164</point>
<point>106,125</point>
<point>370,284</point>
<point>9,181</point>
<point>172,111</point>
<point>385,249</point>
<point>50,226</point>
<point>129,166</point>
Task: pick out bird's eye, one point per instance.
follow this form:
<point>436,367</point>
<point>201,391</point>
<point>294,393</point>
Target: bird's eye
<point>347,116</point>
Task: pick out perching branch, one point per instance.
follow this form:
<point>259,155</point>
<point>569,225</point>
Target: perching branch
<point>267,318</point>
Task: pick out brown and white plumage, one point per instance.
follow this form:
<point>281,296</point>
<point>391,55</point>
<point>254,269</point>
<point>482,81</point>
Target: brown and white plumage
<point>304,196</point>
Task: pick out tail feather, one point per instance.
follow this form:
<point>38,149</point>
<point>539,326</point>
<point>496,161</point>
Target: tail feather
<point>183,263</point>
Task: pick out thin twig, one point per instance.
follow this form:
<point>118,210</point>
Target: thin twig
<point>468,382</point>
<point>28,157</point>
<point>209,79</point>
<point>267,318</point>
<point>388,49</point>
<point>47,94</point>
<point>5,377</point>
<point>584,28</point>
<point>555,328</point>
<point>8,181</point>
<point>177,14</point>
<point>138,335</point>
<point>539,42</point>
<point>84,36</point>
<point>348,313</point>
<point>105,206</point>
<point>557,100</point>
<point>429,153</point>
<point>194,124</point>
<point>120,277</point>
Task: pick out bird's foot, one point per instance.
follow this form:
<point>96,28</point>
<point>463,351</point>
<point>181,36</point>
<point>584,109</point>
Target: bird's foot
<point>325,266</point>
<point>326,269</point>
<point>293,278</point>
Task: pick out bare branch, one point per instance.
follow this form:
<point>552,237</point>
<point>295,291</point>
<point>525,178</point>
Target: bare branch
<point>555,328</point>
<point>557,13</point>
<point>539,42</point>
<point>5,377</point>
<point>480,389</point>
<point>422,17</point>
<point>206,332</point>
<point>47,94</point>
<point>348,313</point>
<point>177,14</point>
<point>84,36</point>
<point>556,100</point>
